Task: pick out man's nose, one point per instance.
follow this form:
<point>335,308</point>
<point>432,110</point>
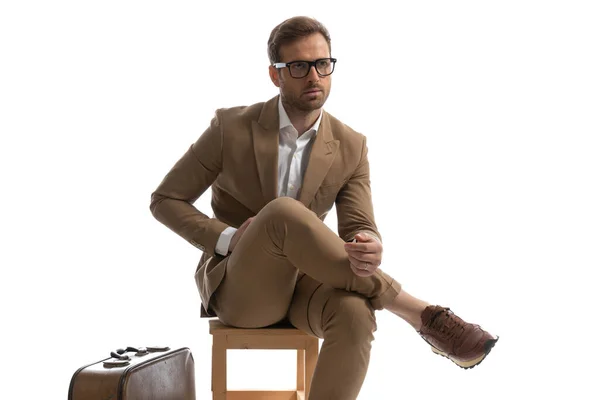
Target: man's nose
<point>313,75</point>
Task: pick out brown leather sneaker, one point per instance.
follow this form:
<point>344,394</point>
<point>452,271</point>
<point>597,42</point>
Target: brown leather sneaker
<point>463,343</point>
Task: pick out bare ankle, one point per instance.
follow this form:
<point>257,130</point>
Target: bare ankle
<point>408,308</point>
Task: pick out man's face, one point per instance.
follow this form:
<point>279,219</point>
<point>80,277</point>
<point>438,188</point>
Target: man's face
<point>308,93</point>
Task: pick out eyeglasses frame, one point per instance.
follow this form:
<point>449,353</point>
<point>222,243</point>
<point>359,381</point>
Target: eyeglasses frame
<point>310,65</point>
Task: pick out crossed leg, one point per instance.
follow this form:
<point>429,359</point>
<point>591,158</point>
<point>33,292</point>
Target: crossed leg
<point>289,265</point>
<point>284,241</point>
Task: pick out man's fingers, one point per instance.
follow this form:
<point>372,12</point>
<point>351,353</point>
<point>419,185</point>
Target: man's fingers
<point>364,247</point>
<point>371,258</point>
<point>364,254</point>
<point>357,257</point>
<point>365,264</point>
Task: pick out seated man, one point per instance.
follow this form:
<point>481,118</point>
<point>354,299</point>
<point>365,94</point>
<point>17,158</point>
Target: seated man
<point>276,169</point>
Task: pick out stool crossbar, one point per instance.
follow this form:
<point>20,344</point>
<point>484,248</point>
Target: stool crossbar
<point>275,337</point>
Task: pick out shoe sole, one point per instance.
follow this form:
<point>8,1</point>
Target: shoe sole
<point>469,363</point>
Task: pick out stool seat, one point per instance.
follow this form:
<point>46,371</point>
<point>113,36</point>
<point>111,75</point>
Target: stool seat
<point>280,336</point>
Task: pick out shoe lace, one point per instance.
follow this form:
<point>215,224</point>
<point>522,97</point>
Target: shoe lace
<point>447,324</point>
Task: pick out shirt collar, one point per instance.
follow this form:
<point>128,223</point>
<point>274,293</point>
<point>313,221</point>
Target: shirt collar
<point>284,120</point>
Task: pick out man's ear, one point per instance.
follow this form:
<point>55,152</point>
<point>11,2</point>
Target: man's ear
<point>274,75</point>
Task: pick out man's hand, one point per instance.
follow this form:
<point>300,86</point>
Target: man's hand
<point>365,254</point>
<point>238,234</point>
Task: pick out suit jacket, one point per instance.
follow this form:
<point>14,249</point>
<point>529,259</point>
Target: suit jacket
<point>237,156</point>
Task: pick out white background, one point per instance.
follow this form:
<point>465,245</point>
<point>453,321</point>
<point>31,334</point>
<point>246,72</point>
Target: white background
<point>483,127</point>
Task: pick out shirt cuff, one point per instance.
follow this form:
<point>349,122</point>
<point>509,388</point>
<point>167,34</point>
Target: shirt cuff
<point>222,247</point>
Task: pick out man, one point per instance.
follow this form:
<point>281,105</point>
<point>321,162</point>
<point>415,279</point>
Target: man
<point>276,169</point>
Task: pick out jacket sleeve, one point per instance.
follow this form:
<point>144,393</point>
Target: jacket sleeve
<point>354,204</point>
<point>172,202</point>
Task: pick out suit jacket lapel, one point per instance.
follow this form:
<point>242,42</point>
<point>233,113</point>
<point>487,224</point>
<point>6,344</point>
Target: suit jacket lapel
<point>265,137</point>
<point>319,163</point>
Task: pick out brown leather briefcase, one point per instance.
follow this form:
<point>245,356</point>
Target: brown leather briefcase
<point>145,373</point>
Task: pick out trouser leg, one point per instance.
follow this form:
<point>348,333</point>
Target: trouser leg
<point>286,238</point>
<point>346,322</point>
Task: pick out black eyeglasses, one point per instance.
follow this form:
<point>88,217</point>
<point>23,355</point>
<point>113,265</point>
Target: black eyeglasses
<point>299,69</point>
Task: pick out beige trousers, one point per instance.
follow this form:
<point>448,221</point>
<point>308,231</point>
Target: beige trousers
<point>289,265</point>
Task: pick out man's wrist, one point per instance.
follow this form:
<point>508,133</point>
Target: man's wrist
<point>371,234</point>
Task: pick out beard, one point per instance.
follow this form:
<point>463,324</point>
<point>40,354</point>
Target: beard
<point>305,103</point>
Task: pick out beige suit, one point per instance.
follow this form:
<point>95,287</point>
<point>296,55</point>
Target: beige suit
<point>288,263</point>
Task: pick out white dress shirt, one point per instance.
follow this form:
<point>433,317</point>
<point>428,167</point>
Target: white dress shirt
<point>294,152</point>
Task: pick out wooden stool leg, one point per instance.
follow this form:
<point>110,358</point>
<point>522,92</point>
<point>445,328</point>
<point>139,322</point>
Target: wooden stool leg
<point>300,370</point>
<point>312,353</point>
<point>219,368</point>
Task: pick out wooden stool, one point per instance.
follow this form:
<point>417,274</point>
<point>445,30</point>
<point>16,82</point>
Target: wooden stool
<point>273,337</point>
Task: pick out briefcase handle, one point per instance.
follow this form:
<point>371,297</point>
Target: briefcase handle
<point>121,354</point>
<point>120,358</point>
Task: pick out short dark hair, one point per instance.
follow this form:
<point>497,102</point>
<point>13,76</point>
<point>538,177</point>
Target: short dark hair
<point>291,30</point>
